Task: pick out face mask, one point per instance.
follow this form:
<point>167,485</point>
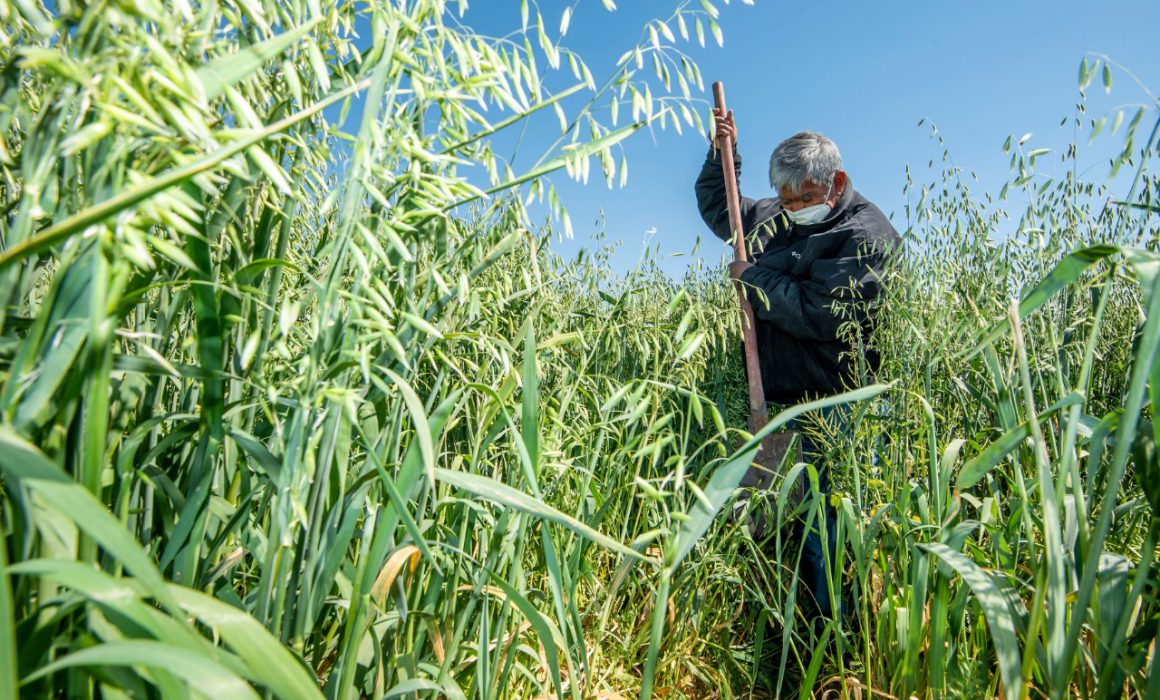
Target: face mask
<point>810,215</point>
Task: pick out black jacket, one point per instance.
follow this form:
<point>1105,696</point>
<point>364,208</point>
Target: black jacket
<point>807,281</point>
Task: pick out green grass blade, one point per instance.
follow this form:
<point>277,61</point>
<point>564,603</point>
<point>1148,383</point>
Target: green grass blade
<point>1056,598</point>
<point>726,477</point>
<point>582,151</point>
<point>1148,267</point>
<point>396,500</point>
<point>1064,274</point>
<point>979,465</point>
<point>420,685</point>
<point>208,677</point>
<point>549,635</point>
<point>421,422</point>
<point>227,71</point>
<point>656,634</point>
<point>530,407</point>
<point>995,609</point>
<point>271,663</point>
<point>9,660</point>
<point>503,494</point>
<point>210,342</point>
<point>259,453</point>
<point>810,679</point>
<point>123,595</point>
<point>21,460</point>
<point>49,352</point>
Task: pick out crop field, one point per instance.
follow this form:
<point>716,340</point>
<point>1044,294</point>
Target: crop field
<point>292,412</point>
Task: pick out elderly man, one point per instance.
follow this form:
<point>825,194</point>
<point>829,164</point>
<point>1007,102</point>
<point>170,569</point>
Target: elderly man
<point>817,248</point>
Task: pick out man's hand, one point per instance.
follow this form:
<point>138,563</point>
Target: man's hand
<point>737,267</point>
<point>723,126</point>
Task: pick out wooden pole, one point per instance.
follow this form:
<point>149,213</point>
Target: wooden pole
<point>758,415</point>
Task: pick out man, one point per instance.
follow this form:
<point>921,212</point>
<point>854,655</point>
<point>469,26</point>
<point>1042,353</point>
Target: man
<point>817,248</point>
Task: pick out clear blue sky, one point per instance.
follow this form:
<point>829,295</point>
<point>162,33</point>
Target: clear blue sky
<point>863,73</point>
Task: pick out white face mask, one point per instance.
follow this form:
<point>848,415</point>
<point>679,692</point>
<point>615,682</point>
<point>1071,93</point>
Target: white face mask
<point>811,215</point>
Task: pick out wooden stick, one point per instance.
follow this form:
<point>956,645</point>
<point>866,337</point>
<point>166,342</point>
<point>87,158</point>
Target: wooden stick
<point>758,415</point>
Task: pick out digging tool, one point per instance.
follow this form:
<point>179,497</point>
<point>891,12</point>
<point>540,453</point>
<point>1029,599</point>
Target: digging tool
<point>773,447</point>
<point>758,415</point>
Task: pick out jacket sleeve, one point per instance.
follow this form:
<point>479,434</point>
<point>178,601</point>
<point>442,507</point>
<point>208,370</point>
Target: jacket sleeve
<point>814,308</point>
<point>712,202</point>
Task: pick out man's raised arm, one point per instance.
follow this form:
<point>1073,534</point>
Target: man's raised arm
<point>757,215</point>
<point>711,201</point>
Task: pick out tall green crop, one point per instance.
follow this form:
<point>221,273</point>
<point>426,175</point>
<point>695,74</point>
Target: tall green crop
<point>271,415</point>
<point>304,412</point>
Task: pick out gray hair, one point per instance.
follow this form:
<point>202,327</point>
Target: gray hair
<point>805,156</point>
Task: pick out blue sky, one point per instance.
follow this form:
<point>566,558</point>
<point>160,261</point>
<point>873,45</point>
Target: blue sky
<point>864,74</point>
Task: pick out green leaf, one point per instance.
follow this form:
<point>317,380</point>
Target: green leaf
<point>269,661</point>
<point>50,352</point>
<point>125,595</point>
<point>259,453</point>
<point>400,507</point>
<point>995,609</point>
<point>549,635</point>
<point>420,422</point>
<point>991,455</point>
<point>530,407</point>
<point>493,490</point>
<point>1066,272</point>
<point>656,633</point>
<point>572,152</point>
<point>21,460</point>
<point>1147,267</point>
<point>417,685</point>
<point>207,314</point>
<point>1147,351</point>
<point>227,71</point>
<point>9,659</point>
<point>726,477</point>
<point>210,678</point>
